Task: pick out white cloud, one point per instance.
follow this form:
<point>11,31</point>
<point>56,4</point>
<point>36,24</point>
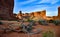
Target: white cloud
<point>26,2</point>
<point>49,1</point>
<point>52,13</point>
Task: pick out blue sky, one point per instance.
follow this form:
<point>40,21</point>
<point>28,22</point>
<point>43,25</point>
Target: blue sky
<point>27,6</point>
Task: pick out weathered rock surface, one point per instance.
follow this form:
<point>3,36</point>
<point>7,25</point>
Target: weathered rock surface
<point>35,15</point>
<point>6,9</point>
<point>59,12</point>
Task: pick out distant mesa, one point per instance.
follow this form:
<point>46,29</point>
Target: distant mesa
<point>39,15</point>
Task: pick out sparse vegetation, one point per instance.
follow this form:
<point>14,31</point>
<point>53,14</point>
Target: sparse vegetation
<point>26,28</point>
<point>1,19</point>
<point>29,28</point>
<point>28,20</point>
<point>56,22</point>
<point>43,22</point>
<point>51,21</point>
<point>1,23</point>
<point>48,34</point>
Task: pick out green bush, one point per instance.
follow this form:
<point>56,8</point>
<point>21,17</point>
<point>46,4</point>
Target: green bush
<point>1,18</point>
<point>51,21</point>
<point>29,20</point>
<point>27,28</point>
<point>1,23</point>
<point>56,22</point>
<point>43,22</point>
<point>48,34</point>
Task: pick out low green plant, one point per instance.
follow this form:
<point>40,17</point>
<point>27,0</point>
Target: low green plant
<point>1,18</point>
<point>56,22</point>
<point>51,21</point>
<point>30,20</point>
<point>1,23</point>
<point>43,22</point>
<point>48,34</point>
<point>27,28</point>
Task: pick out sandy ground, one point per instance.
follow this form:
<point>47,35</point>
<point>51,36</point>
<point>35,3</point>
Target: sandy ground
<point>55,29</point>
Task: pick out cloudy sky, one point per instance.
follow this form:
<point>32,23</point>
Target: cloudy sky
<point>51,6</point>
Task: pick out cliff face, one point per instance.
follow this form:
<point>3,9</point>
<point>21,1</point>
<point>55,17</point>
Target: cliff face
<point>59,12</point>
<point>6,9</point>
<point>39,15</point>
<point>34,15</point>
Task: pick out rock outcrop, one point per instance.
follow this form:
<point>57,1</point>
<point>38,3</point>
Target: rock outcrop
<point>33,15</point>
<point>6,9</point>
<point>58,16</point>
<point>39,15</point>
<point>59,12</point>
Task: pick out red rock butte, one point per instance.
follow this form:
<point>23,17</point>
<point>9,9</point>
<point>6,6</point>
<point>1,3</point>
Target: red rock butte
<point>6,9</point>
<point>40,15</point>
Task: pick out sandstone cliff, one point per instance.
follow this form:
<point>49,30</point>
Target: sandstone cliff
<point>33,15</point>
<point>6,9</point>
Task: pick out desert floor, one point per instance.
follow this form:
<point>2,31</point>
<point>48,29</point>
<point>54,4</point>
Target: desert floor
<point>52,27</point>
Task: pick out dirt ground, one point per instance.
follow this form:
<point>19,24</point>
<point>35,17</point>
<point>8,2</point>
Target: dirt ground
<point>55,29</point>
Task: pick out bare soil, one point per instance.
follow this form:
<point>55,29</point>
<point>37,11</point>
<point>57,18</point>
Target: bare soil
<point>52,27</point>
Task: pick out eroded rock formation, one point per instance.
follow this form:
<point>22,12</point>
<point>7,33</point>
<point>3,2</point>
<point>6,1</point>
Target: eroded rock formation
<point>34,15</point>
<point>6,9</point>
<point>59,12</point>
<point>39,15</point>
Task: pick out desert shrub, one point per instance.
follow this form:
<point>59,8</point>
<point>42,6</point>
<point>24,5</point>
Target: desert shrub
<point>48,34</point>
<point>29,20</point>
<point>43,22</point>
<point>27,28</point>
<point>51,21</point>
<point>56,22</point>
<point>1,23</point>
<point>1,19</point>
<point>33,23</point>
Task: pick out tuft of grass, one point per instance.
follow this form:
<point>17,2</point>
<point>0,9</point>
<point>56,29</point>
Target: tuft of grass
<point>48,34</point>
